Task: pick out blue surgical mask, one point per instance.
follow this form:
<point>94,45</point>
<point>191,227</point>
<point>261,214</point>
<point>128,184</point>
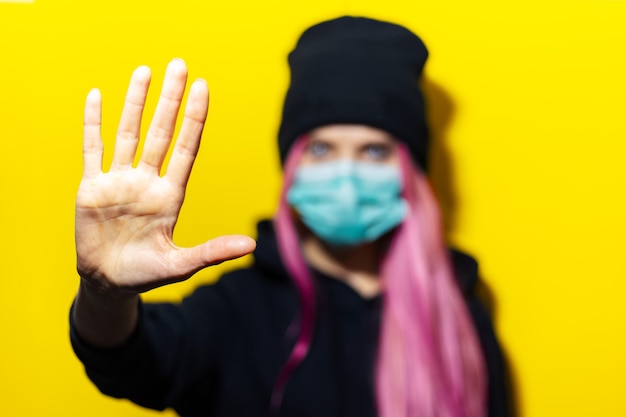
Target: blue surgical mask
<point>346,203</point>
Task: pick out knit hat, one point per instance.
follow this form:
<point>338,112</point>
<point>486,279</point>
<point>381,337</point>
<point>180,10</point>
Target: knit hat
<point>355,70</point>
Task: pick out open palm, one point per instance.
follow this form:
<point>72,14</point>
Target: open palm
<point>125,217</point>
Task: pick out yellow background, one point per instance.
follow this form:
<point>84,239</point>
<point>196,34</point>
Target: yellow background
<point>527,106</point>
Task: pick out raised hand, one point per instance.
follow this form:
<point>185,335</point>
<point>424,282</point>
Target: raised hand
<point>125,217</point>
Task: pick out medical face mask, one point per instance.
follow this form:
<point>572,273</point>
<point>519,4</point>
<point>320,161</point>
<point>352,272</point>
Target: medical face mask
<point>346,203</point>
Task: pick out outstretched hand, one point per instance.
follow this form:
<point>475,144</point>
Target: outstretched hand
<point>125,217</point>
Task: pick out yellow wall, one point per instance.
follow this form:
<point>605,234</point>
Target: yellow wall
<point>527,105</point>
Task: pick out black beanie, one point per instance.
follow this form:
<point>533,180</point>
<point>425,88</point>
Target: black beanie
<point>356,70</point>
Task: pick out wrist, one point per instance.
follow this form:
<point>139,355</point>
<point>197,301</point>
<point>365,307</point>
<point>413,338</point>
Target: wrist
<point>104,318</point>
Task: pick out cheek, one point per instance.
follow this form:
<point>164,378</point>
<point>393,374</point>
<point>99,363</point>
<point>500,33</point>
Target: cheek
<point>306,160</point>
<point>393,158</point>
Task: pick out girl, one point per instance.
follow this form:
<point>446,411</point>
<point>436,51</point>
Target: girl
<point>353,306</point>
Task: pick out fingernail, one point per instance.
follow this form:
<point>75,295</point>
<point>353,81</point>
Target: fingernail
<point>142,70</point>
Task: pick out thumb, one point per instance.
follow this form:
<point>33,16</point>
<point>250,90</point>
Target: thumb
<point>212,252</point>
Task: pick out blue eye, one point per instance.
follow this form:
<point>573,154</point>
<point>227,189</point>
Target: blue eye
<point>318,149</point>
<point>377,152</point>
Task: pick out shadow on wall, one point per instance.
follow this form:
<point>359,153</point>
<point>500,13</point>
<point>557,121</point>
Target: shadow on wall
<point>440,111</point>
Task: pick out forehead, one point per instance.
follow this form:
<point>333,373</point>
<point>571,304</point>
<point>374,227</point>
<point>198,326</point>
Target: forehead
<point>350,134</point>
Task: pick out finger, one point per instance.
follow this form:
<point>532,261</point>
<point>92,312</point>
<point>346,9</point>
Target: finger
<point>164,121</point>
<point>129,129</point>
<point>223,248</point>
<point>188,141</point>
<point>92,141</point>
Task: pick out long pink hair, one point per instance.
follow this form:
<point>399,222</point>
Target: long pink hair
<point>430,362</point>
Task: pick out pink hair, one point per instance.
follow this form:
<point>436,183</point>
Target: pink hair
<point>289,249</point>
<point>430,362</point>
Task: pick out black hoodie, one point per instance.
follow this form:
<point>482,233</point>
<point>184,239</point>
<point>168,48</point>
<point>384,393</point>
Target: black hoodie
<point>219,352</point>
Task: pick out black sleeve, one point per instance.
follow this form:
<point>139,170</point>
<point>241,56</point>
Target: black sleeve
<point>497,402</point>
<point>171,354</point>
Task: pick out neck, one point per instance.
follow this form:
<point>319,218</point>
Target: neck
<point>356,266</point>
